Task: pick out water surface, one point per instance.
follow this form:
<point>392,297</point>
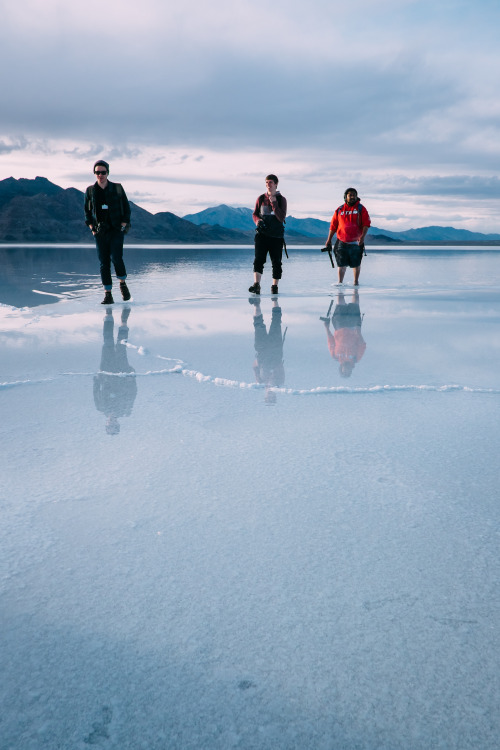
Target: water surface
<point>215,534</point>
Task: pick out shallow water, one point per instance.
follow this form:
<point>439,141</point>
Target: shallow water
<point>214,537</point>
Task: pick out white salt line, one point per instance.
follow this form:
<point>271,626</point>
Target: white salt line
<point>49,294</point>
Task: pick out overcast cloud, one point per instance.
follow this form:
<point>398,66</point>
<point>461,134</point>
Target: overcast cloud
<point>193,104</point>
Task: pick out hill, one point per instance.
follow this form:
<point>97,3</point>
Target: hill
<point>241,218</point>
<point>40,211</point>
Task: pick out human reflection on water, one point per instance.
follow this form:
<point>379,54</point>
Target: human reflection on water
<point>268,365</point>
<point>346,344</point>
<point>115,386</point>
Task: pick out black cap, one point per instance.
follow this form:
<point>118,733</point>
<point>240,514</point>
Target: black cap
<point>101,163</point>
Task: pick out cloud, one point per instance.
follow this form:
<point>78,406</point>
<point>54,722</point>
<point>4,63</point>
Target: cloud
<point>87,153</point>
<point>463,186</point>
<point>400,98</point>
<point>227,80</point>
<point>17,144</point>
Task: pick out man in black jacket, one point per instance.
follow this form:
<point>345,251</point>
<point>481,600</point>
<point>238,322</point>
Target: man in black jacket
<point>107,215</point>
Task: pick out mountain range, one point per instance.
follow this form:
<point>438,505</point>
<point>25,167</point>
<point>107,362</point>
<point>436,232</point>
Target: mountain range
<point>39,211</point>
<point>241,218</point>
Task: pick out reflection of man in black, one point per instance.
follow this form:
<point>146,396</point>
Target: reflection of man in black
<point>346,344</point>
<point>115,388</point>
<point>268,365</point>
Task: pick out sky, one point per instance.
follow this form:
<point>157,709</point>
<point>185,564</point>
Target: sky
<point>194,104</point>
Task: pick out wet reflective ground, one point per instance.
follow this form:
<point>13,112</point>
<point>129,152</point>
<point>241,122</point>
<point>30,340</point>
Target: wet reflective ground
<point>231,522</point>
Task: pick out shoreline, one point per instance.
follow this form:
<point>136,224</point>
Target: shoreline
<point>312,245</point>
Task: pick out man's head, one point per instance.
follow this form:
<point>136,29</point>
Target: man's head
<point>346,368</point>
<point>112,426</point>
<point>101,171</point>
<point>351,196</point>
<point>271,183</point>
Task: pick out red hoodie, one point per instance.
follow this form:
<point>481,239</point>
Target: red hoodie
<point>346,344</point>
<point>346,223</point>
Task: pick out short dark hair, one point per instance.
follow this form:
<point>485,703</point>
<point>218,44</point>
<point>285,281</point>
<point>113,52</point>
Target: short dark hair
<point>101,163</point>
<point>272,177</point>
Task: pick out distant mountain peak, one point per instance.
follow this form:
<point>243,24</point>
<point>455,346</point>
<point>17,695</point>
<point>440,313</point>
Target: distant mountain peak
<point>229,217</point>
<point>232,217</point>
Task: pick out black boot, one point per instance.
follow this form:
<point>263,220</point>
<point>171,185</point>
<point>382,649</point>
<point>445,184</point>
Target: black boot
<point>255,288</point>
<point>125,291</point>
<point>108,298</point>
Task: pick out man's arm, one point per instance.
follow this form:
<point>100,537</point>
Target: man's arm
<point>256,212</point>
<point>328,242</point>
<point>366,222</point>
<point>361,240</point>
<point>125,206</point>
<point>279,211</point>
<point>89,219</point>
<point>333,228</point>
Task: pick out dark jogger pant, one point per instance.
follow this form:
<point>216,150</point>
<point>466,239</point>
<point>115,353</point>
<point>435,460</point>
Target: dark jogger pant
<point>110,248</point>
<point>263,246</point>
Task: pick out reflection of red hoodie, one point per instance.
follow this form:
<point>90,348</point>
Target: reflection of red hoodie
<point>345,222</point>
<point>346,344</point>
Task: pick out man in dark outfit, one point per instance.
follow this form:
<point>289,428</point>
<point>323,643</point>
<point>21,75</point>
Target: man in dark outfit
<point>107,215</point>
<point>269,216</point>
<point>268,366</point>
<point>115,387</point>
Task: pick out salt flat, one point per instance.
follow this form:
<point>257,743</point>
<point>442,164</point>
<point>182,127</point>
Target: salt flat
<point>212,537</point>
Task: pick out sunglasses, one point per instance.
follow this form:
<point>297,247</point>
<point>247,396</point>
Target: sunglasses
<point>98,171</point>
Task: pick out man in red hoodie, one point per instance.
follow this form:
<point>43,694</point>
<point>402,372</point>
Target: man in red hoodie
<point>346,344</point>
<point>351,223</point>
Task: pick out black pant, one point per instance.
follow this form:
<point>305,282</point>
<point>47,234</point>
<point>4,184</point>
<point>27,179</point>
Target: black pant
<point>269,349</point>
<point>263,246</point>
<point>110,248</point>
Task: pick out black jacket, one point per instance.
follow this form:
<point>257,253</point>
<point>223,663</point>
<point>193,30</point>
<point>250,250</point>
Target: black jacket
<point>119,207</point>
